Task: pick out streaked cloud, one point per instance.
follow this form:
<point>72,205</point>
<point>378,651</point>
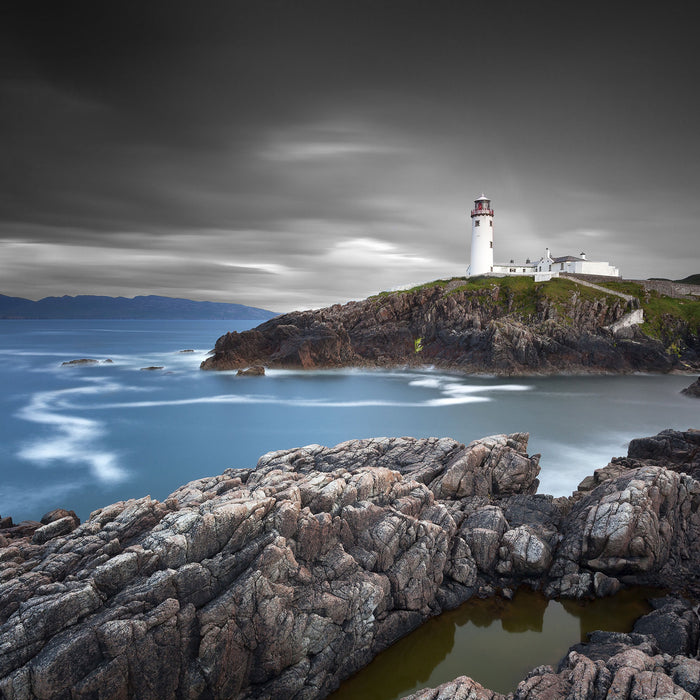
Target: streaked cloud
<point>321,151</point>
<point>317,151</point>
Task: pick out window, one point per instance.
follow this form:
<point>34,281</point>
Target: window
<point>512,269</point>
<point>477,223</point>
<point>490,244</point>
<point>491,224</point>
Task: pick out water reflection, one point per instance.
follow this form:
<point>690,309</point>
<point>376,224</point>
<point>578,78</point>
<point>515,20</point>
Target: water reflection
<point>494,641</point>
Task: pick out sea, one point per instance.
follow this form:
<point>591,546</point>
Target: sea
<point>82,436</point>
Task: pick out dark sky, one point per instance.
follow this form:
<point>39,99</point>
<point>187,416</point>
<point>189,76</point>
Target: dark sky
<point>294,154</point>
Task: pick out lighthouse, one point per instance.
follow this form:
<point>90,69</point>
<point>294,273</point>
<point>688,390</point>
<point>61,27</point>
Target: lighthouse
<point>482,238</point>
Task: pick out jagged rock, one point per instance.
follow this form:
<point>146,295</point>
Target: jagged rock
<point>235,583</point>
<point>21,530</point>
<point>62,526</point>
<point>475,329</point>
<point>610,471</point>
<point>282,580</point>
<point>676,450</point>
<point>674,626</point>
<point>525,552</point>
<point>59,513</point>
<point>462,688</point>
<point>81,361</point>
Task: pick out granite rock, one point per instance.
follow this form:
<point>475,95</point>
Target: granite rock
<point>280,581</point>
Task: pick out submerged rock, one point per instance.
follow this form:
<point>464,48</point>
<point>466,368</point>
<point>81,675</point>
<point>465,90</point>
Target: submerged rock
<point>281,581</point>
<point>693,389</point>
<point>254,371</point>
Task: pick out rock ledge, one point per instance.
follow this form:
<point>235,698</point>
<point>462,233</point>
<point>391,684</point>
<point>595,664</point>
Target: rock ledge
<point>280,581</point>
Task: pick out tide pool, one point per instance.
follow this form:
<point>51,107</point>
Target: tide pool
<point>496,642</point>
<point>84,436</point>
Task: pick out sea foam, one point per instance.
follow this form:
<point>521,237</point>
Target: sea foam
<point>74,438</point>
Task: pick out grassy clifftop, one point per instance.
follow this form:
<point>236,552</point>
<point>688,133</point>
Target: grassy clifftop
<point>660,310</point>
<point>523,297</point>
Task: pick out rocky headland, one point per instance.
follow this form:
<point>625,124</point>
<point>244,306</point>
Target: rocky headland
<point>506,326</point>
<point>282,580</point>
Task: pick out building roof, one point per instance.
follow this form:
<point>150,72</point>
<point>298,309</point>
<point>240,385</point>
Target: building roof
<point>483,196</point>
<point>567,258</point>
<point>516,264</point>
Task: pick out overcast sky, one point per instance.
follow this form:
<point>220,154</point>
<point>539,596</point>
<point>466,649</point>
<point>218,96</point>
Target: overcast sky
<point>293,154</point>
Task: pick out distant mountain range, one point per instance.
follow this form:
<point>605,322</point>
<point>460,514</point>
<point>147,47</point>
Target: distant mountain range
<point>141,307</point>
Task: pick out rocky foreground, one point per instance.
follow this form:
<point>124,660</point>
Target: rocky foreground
<point>508,327</point>
<point>280,581</point>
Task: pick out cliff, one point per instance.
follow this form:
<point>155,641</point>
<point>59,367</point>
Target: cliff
<point>504,326</point>
<point>282,580</point>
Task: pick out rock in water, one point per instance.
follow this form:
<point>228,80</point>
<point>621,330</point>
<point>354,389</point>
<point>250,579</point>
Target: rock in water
<point>693,389</point>
<point>254,371</point>
<point>280,581</point>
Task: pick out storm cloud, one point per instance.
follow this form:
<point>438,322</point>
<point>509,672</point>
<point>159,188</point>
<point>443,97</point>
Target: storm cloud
<point>295,154</point>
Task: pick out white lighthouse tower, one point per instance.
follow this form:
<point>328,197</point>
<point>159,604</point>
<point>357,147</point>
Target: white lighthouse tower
<point>482,238</point>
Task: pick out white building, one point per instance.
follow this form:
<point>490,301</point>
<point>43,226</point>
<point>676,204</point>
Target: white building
<point>482,237</point>
<point>543,269</point>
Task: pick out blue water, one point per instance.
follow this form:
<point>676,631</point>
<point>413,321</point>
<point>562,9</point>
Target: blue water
<point>82,437</point>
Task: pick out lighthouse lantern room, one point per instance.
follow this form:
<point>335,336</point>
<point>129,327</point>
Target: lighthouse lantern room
<point>482,238</point>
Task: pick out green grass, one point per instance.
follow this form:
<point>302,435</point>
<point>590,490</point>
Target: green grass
<point>522,295</point>
<point>511,283</point>
<point>633,288</point>
<point>660,310</point>
<point>426,285</point>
